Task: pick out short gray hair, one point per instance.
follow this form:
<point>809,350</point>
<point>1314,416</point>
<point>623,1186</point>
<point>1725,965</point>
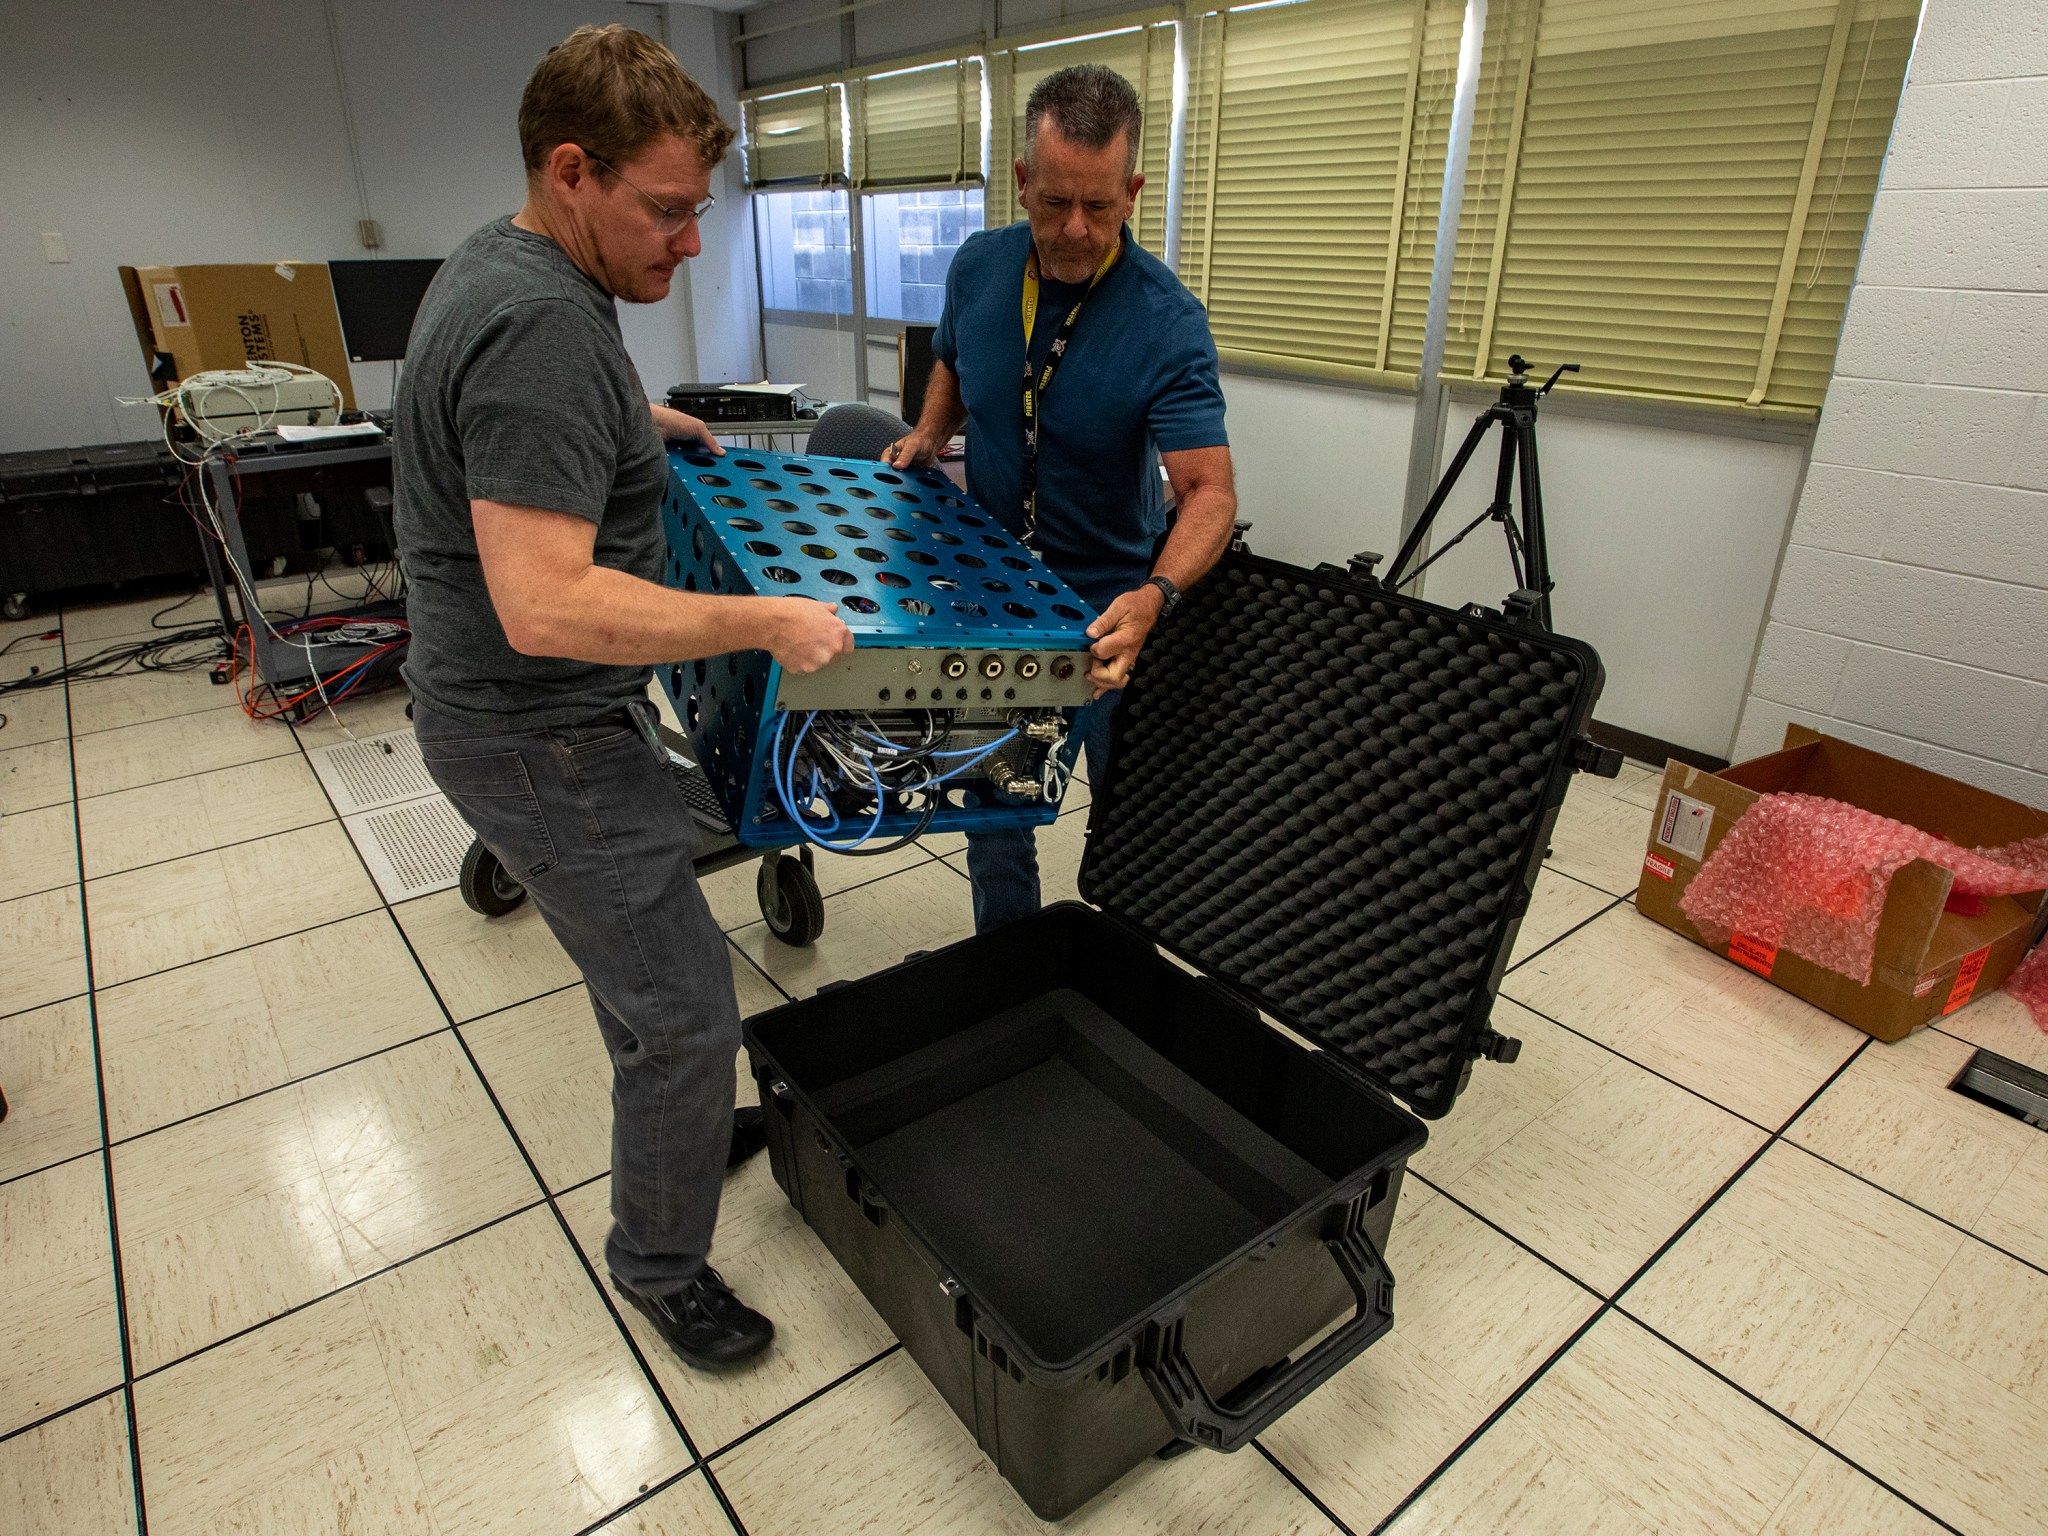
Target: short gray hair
<point>1090,105</point>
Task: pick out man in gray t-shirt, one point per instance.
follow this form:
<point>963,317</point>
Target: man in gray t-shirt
<point>528,472</point>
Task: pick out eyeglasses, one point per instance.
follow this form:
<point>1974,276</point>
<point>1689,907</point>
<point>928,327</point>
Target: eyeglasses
<point>668,220</point>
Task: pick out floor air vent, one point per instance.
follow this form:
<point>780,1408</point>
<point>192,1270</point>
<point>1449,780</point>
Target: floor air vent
<point>412,849</point>
<point>2010,1087</point>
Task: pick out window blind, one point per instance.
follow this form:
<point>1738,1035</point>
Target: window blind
<point>1308,197</point>
<point>1674,196</point>
<point>918,127</point>
<point>795,138</point>
<point>1144,55</point>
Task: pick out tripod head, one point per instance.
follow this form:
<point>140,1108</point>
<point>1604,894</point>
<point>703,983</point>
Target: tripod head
<point>1518,376</point>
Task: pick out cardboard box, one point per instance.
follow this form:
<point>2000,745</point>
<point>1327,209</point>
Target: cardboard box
<point>1929,961</point>
<point>225,316</point>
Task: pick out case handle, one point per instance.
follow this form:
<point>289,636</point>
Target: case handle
<point>1198,1417</point>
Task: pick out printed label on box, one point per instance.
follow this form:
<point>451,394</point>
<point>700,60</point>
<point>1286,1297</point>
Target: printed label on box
<point>1684,826</point>
<point>1927,983</point>
<point>1753,953</point>
<point>170,304</point>
<point>1662,868</point>
<point>1966,979</point>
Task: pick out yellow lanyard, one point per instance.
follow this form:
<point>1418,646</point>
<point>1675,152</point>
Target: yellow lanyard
<point>1035,385</point>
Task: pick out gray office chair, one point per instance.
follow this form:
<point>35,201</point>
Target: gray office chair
<point>855,432</point>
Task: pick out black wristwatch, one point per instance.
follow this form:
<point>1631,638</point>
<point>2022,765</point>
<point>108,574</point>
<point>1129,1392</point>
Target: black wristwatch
<point>1168,591</point>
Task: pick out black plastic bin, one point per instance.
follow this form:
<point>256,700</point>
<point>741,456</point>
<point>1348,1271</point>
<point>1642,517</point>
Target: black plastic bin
<point>1107,1207</point>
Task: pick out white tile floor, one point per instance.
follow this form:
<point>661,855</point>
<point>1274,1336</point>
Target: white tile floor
<point>300,1195</point>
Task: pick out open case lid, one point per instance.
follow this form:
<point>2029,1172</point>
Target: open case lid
<point>1333,801</point>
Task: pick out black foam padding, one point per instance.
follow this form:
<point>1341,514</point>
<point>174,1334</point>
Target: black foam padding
<point>1335,800</point>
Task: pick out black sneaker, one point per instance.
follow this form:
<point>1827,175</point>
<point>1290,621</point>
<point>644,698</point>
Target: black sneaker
<point>704,1323</point>
<point>749,1135</point>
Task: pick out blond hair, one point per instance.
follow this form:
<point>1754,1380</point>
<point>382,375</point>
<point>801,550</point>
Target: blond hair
<point>611,92</point>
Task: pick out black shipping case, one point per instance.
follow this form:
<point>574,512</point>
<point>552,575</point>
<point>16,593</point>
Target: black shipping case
<point>1105,1205</point>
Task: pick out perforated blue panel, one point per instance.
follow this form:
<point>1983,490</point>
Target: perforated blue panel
<point>909,558</point>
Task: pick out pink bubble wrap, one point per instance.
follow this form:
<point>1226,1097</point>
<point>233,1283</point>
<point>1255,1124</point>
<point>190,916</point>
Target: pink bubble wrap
<point>1810,875</point>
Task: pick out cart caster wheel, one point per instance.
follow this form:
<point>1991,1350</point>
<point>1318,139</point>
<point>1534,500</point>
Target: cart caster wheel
<point>486,888</point>
<point>14,606</point>
<point>791,902</point>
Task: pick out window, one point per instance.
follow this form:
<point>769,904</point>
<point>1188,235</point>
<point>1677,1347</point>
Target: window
<point>911,238</point>
<point>805,250</point>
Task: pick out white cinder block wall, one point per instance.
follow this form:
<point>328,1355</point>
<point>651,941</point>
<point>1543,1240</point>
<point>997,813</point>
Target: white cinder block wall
<point>1911,609</point>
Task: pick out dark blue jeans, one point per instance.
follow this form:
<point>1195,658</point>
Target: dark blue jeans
<point>1004,865</point>
<point>590,820</point>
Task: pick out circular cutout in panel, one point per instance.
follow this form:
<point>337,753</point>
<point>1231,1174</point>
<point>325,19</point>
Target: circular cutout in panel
<point>697,541</point>
<point>994,541</point>
<point>992,585</point>
<point>754,464</point>
<point>843,474</point>
<point>1020,610</point>
<point>731,502</point>
<point>888,479</point>
<point>910,496</point>
<point>872,556</point>
<point>900,535</point>
<point>830,509</point>
<point>930,476</point>
<point>717,481</point>
<point>892,579</point>
<point>783,574</point>
<point>860,493</point>
<point>948,499</point>
<point>920,557</point>
<point>763,547</point>
<point>717,574</point>
<point>1068,613</point>
<point>971,521</point>
<point>916,605</point>
<point>945,584</point>
<point>774,504</point>
<point>972,562</point>
<point>1043,588</point>
<point>701,670</point>
<point>841,578</point>
<point>862,604</point>
<point>821,552</point>
<point>732,663</point>
<point>801,530</point>
<point>942,537</point>
<point>879,514</point>
<point>701,460</point>
<point>742,525</point>
<point>1016,564</point>
<point>761,484</point>
<point>812,488</point>
<point>798,469</point>
<point>973,609</point>
<point>926,517</point>
<point>850,530</point>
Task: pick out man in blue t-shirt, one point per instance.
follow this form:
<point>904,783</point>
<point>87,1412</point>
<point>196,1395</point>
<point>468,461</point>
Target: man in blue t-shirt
<point>1117,375</point>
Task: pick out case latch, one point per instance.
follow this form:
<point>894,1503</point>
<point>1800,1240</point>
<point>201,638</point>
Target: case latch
<point>1365,564</point>
<point>1588,756</point>
<point>1495,1046</point>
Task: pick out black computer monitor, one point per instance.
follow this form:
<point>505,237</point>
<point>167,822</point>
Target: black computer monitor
<point>377,300</point>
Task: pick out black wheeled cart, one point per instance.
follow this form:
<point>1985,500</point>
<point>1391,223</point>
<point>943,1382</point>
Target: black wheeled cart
<point>1110,1210</point>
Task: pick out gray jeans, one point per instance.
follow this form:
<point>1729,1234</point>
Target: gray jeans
<point>589,818</point>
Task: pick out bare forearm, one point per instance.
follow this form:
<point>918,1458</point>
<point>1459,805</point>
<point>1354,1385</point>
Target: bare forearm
<point>943,414</point>
<point>605,615</point>
<point>1208,515</point>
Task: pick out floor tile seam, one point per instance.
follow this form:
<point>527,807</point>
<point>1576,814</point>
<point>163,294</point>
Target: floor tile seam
<point>790,1410</point>
<point>129,725</point>
<point>186,965</point>
<point>1552,943</point>
<point>1933,1215</point>
<point>55,1002</point>
<point>51,805</point>
<point>274,1088</point>
<point>929,858</point>
<point>354,1284</point>
<point>1302,1488</point>
<point>99,1070</point>
<point>759,970</point>
<point>178,778</point>
<point>62,1162</point>
<point>1522,1243</point>
<point>654,1491</point>
<point>44,890</point>
<point>1820,1441</point>
<point>1622,1055</point>
<point>1605,1306</point>
<point>239,842</point>
<point>54,1415</point>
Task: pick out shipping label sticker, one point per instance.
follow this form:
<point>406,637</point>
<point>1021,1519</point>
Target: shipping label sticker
<point>1966,979</point>
<point>1753,953</point>
<point>1662,868</point>
<point>170,305</point>
<point>1684,825</point>
<point>1927,983</point>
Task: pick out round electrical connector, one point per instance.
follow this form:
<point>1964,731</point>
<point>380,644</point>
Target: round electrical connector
<point>1027,667</point>
<point>954,666</point>
<point>1063,667</point>
<point>991,666</point>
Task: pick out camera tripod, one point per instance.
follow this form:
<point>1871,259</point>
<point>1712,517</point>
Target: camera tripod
<point>1528,552</point>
